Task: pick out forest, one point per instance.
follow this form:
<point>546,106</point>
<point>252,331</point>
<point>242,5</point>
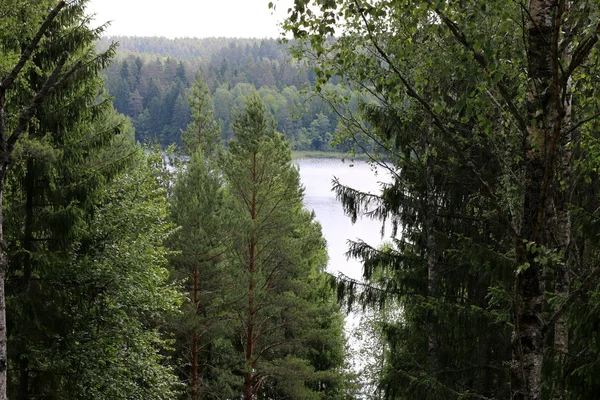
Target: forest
<point>150,78</point>
<point>127,274</point>
<point>154,243</point>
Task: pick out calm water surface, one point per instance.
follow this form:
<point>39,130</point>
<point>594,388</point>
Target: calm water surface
<point>316,175</point>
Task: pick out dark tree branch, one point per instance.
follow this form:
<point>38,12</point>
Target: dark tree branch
<point>585,286</point>
<point>355,282</point>
<point>483,63</point>
<point>581,53</point>
<point>9,79</point>
<point>581,123</point>
<point>53,82</point>
<point>488,192</point>
<point>272,346</point>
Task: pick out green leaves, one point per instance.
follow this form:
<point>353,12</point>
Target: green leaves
<point>127,236</point>
<point>254,261</point>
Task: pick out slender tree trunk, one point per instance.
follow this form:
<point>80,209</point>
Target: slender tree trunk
<point>561,333</point>
<point>528,340</point>
<point>563,227</point>
<point>28,231</point>
<point>3,267</point>
<point>562,238</point>
<point>249,374</point>
<point>433,275</point>
<point>4,157</point>
<point>546,115</point>
<point>195,338</point>
<point>24,378</point>
<point>28,245</point>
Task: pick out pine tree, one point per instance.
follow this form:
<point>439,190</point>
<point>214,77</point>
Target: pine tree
<point>198,208</point>
<point>253,261</point>
<point>276,255</point>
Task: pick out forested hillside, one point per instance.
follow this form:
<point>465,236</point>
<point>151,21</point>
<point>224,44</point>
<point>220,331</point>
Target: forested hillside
<point>151,77</point>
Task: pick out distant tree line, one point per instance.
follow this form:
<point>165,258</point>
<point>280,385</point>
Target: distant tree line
<point>151,78</point>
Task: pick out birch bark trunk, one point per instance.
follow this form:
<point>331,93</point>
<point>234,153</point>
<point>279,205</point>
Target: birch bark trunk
<point>542,149</point>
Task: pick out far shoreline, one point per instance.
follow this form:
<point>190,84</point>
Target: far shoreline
<point>296,154</point>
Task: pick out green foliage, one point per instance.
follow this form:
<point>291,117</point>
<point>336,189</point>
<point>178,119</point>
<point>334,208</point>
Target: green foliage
<point>253,262</point>
<point>198,207</point>
<point>443,93</point>
<point>86,285</point>
<point>230,70</point>
<point>117,289</point>
<point>104,286</point>
<point>202,132</point>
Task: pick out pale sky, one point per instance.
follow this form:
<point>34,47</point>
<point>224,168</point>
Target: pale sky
<point>190,18</point>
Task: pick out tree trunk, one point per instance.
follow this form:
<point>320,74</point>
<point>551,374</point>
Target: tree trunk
<point>3,267</point>
<point>195,338</point>
<point>4,157</point>
<point>528,341</point>
<point>546,115</point>
<point>28,245</point>
<point>249,374</point>
<point>562,238</point>
<point>563,226</point>
<point>433,275</point>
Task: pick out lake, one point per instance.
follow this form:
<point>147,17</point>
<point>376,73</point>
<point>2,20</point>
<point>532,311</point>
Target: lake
<point>316,175</point>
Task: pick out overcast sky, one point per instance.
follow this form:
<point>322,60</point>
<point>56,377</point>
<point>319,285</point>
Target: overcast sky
<point>190,18</point>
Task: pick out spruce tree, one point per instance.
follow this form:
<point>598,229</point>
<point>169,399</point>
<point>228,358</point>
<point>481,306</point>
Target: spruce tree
<point>106,307</point>
<point>253,260</point>
<point>65,149</point>
<point>197,206</point>
<point>40,67</point>
<point>203,132</point>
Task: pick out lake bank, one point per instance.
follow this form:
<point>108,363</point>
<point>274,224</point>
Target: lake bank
<point>296,154</point>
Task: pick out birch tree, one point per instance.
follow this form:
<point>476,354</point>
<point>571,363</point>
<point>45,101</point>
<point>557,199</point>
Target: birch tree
<point>506,80</point>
